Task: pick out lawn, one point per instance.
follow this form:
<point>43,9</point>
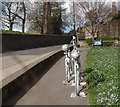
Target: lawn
<point>102,76</point>
<point>8,31</point>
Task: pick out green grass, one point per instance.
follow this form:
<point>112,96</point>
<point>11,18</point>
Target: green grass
<point>102,76</point>
<point>8,31</point>
<point>17,32</point>
<point>89,41</point>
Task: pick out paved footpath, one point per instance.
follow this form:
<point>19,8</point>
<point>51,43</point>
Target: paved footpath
<point>50,89</point>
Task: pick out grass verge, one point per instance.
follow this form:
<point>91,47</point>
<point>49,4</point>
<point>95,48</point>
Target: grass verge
<point>102,76</point>
<point>8,31</point>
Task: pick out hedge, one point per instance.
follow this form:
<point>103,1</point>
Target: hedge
<point>107,38</point>
<point>89,41</point>
<point>81,37</point>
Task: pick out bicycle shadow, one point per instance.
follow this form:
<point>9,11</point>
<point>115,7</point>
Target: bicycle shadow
<point>84,88</point>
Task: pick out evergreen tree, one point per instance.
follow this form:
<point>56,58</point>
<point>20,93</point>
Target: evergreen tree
<point>47,18</point>
<point>55,19</point>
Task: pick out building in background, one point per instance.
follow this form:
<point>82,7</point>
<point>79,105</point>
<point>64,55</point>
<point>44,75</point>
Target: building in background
<point>110,27</point>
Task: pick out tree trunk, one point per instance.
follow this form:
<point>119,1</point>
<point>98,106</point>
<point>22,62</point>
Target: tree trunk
<point>41,29</point>
<point>11,26</point>
<point>10,22</point>
<point>23,25</point>
<point>24,19</point>
<point>93,38</point>
<point>47,13</point>
<point>97,33</point>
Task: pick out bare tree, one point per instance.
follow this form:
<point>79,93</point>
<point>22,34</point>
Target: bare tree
<point>73,14</point>
<point>95,14</point>
<point>11,11</point>
<point>47,18</point>
<point>21,14</point>
<point>35,16</point>
<point>7,18</point>
<point>89,14</point>
<point>77,17</point>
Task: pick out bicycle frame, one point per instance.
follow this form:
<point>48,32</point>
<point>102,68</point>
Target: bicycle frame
<point>76,64</point>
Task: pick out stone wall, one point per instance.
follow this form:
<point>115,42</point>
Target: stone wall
<point>14,42</point>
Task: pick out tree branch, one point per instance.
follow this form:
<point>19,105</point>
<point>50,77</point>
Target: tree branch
<point>17,15</point>
<point>5,25</point>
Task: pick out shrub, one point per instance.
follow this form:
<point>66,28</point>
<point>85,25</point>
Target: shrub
<point>81,37</point>
<point>89,41</point>
<point>107,38</point>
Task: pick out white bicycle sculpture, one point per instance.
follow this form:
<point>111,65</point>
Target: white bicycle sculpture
<point>76,64</point>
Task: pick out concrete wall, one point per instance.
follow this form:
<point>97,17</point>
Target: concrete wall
<point>14,42</point>
<point>16,89</point>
